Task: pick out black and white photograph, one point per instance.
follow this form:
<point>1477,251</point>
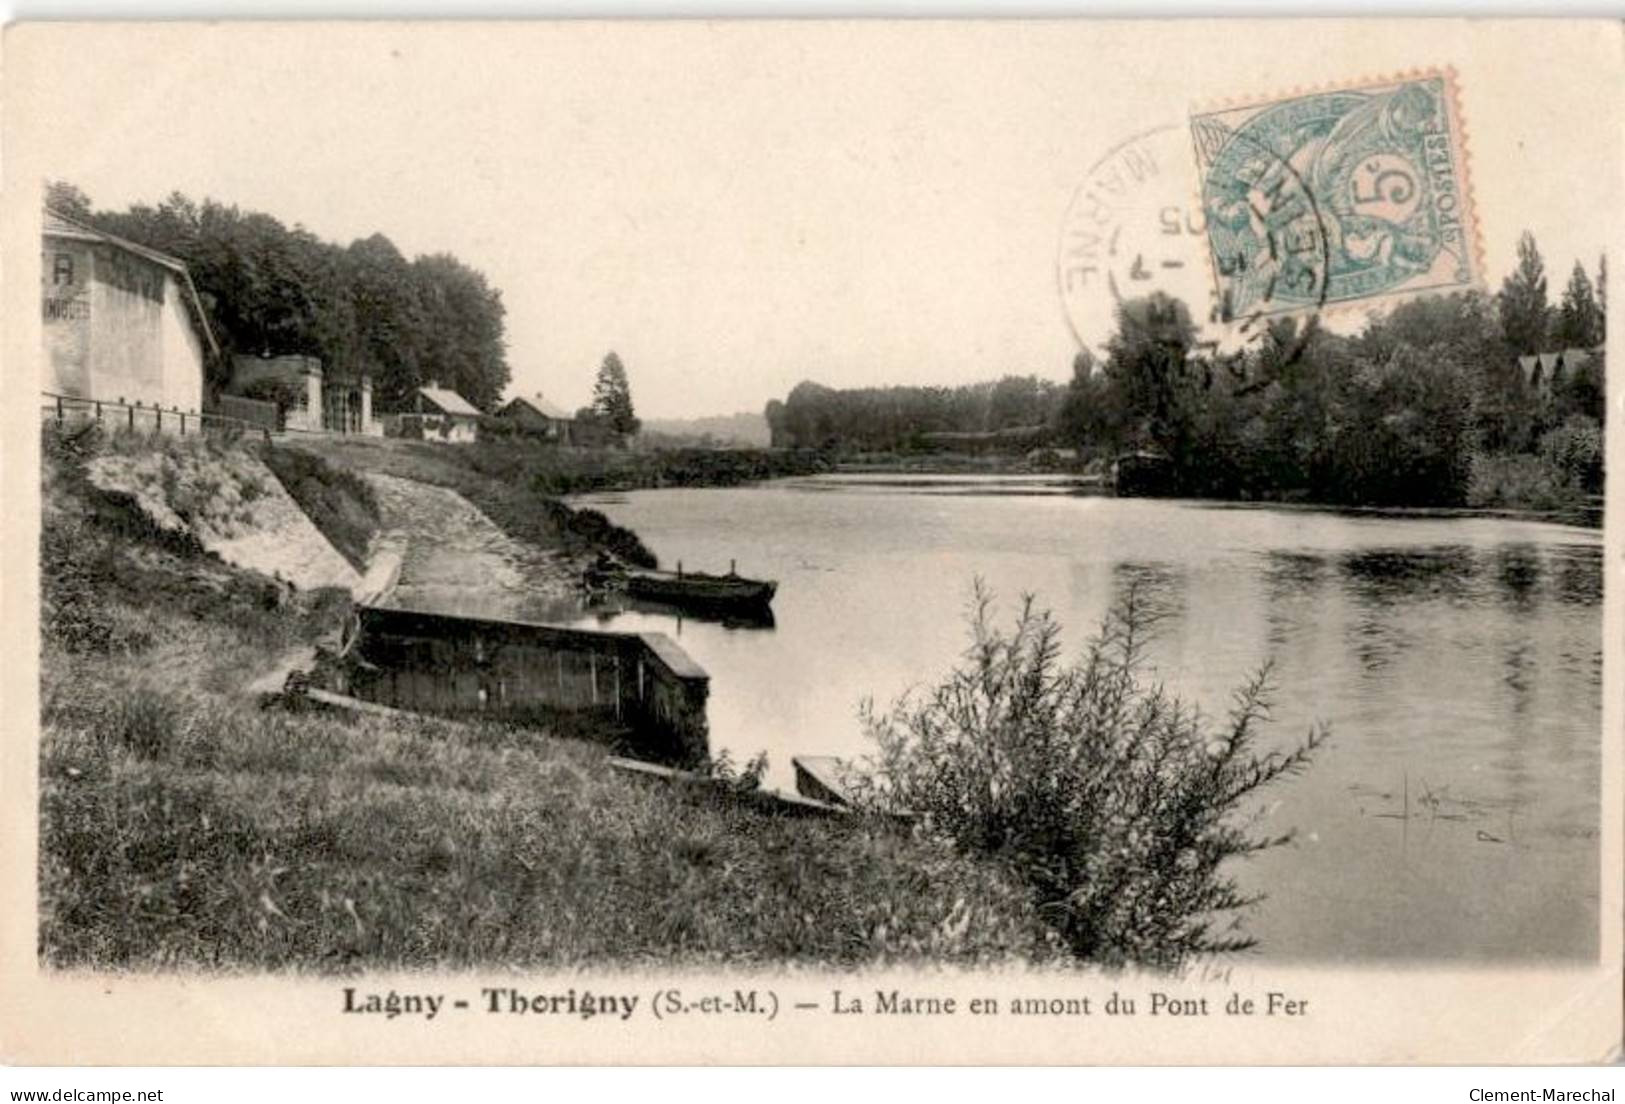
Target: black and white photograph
<point>822,541</point>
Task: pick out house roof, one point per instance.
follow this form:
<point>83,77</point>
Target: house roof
<point>58,225</point>
<point>450,402</point>
<point>1547,363</point>
<point>540,406</point>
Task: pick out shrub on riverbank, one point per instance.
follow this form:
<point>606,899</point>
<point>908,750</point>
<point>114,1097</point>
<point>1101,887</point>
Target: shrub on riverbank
<point>1522,481</point>
<point>1109,798</point>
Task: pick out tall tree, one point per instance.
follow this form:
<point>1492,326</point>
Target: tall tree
<point>389,314</point>
<point>1525,314</point>
<point>67,199</point>
<point>1147,364</point>
<point>463,344</point>
<point>1602,292</point>
<point>612,397</point>
<point>1579,318</point>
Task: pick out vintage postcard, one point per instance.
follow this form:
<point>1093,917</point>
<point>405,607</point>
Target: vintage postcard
<point>812,542</point>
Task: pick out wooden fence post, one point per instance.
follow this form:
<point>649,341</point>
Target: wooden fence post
<point>59,410</point>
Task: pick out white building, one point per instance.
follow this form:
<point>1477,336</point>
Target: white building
<point>123,323</point>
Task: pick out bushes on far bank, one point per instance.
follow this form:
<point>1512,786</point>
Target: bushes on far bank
<point>1558,477</point>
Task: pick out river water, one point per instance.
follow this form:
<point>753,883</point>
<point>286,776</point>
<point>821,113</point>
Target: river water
<point>1453,816</point>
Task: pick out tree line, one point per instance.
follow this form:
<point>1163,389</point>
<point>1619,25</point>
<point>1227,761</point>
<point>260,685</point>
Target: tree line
<point>891,419</point>
<point>1427,405</point>
<point>363,308</point>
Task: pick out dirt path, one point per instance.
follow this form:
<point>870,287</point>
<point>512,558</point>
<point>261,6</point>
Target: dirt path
<point>456,560</point>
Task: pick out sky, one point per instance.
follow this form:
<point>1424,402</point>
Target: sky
<point>734,208</point>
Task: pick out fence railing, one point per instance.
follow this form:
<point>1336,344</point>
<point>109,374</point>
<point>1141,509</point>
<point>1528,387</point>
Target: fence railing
<point>66,410</point>
<point>253,411</point>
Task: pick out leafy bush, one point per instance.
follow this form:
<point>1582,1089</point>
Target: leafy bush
<point>285,393</point>
<point>596,530</point>
<point>740,780</point>
<point>1109,798</point>
<point>1576,448</point>
<point>1523,481</point>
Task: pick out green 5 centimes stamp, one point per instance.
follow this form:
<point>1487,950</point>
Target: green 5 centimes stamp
<point>1338,196</point>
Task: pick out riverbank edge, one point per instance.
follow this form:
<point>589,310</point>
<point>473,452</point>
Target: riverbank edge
<point>1589,517</point>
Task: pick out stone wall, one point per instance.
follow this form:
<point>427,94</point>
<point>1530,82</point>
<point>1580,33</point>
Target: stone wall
<point>439,663</point>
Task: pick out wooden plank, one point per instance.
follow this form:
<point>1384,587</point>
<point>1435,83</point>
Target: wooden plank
<point>783,802</point>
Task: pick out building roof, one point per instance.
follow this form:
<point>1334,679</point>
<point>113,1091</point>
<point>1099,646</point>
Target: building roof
<point>58,225</point>
<point>449,402</point>
<point>1548,363</point>
<point>540,406</point>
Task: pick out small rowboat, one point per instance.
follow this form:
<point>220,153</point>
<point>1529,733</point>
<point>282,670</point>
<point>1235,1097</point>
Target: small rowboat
<point>694,589</point>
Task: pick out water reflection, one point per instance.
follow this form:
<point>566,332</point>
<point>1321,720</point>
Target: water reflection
<point>1383,576</point>
<point>1517,569</point>
<point>605,609</point>
<point>1156,590</point>
<point>1577,574</point>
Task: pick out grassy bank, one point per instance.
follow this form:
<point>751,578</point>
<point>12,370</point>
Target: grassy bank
<point>183,826</point>
<point>563,471</point>
<point>494,479</point>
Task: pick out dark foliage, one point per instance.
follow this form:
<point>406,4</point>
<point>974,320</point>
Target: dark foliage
<point>338,501</point>
<point>1116,803</point>
<point>1426,406</point>
<point>882,419</point>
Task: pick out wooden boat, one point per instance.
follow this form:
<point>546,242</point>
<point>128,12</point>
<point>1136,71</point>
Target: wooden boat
<point>699,589</point>
<point>694,589</point>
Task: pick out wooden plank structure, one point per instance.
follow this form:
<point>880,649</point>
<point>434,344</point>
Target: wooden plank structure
<point>824,778</point>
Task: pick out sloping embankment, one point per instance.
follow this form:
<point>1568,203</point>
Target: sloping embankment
<point>456,560</point>
<point>229,500</point>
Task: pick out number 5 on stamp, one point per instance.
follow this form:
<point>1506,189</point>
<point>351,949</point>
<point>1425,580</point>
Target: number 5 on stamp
<point>1339,196</point>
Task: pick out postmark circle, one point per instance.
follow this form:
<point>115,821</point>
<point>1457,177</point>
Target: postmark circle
<point>1139,224</point>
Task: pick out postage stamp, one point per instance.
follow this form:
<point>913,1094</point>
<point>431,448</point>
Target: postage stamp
<point>1340,196</point>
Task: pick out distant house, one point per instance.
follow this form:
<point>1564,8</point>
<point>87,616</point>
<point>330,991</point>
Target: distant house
<point>299,395</point>
<point>537,416</point>
<point>123,323</point>
<point>1544,371</point>
<point>438,414</point>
